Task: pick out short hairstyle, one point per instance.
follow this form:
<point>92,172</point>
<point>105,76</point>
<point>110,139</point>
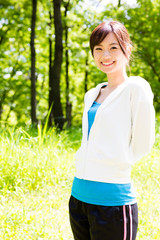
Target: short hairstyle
<point>102,30</point>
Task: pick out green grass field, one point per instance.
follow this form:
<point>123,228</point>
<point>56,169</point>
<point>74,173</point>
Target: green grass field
<point>36,173</point>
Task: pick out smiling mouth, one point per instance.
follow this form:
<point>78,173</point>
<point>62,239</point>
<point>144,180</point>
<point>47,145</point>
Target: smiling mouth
<point>107,64</point>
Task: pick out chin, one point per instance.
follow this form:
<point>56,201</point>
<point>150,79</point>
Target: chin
<point>107,71</point>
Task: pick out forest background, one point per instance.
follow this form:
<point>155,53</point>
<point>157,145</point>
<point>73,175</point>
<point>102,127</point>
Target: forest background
<point>46,61</point>
<point>46,68</point>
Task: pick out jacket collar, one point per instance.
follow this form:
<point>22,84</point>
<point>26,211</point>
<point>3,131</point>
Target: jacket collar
<point>92,97</point>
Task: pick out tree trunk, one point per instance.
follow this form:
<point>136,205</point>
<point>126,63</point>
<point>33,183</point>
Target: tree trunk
<point>119,3</point>
<point>56,69</point>
<point>33,61</point>
<point>68,104</point>
<point>1,110</point>
<point>2,98</point>
<point>50,71</point>
<point>86,75</point>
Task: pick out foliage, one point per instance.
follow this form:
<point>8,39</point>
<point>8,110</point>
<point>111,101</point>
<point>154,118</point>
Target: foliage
<point>15,63</point>
<point>15,53</point>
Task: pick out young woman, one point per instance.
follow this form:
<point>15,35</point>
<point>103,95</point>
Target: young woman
<point>118,129</point>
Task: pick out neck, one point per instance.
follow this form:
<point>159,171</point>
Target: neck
<point>115,79</point>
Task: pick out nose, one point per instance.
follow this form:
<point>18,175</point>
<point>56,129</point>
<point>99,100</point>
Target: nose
<point>106,54</point>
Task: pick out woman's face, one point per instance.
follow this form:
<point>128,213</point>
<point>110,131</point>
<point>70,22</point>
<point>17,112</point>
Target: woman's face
<point>108,55</point>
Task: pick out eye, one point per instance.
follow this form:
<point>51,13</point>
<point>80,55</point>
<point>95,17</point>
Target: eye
<point>98,48</point>
<point>113,48</point>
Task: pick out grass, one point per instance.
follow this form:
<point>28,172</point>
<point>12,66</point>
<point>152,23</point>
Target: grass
<point>36,173</point>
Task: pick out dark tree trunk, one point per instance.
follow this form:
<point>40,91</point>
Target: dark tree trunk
<point>86,75</point>
<point>119,3</point>
<point>68,104</point>
<point>2,98</point>
<point>33,62</point>
<point>56,69</point>
<point>1,110</point>
<point>50,71</point>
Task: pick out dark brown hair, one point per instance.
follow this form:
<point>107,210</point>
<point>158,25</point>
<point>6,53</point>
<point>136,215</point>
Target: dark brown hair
<point>102,30</point>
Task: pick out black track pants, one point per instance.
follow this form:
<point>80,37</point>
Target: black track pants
<point>94,222</point>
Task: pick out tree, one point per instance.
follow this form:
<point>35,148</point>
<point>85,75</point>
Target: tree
<point>54,91</point>
<point>71,76</point>
<point>13,82</point>
<point>86,72</point>
<point>68,103</point>
<point>119,3</point>
<point>33,63</point>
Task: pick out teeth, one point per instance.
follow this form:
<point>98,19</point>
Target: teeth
<point>107,64</point>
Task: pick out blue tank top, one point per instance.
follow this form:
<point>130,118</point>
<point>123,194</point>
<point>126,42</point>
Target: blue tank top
<point>100,193</point>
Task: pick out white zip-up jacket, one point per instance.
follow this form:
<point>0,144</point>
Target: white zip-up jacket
<point>123,131</point>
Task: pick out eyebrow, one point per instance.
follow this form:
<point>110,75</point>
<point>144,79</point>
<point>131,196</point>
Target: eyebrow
<point>114,43</point>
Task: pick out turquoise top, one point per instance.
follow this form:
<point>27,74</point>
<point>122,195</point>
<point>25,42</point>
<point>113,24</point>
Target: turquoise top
<point>92,114</point>
<point>100,193</point>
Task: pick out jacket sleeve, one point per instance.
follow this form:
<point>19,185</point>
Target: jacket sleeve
<point>143,121</point>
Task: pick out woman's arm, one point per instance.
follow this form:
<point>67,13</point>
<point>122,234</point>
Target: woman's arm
<point>143,121</point>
